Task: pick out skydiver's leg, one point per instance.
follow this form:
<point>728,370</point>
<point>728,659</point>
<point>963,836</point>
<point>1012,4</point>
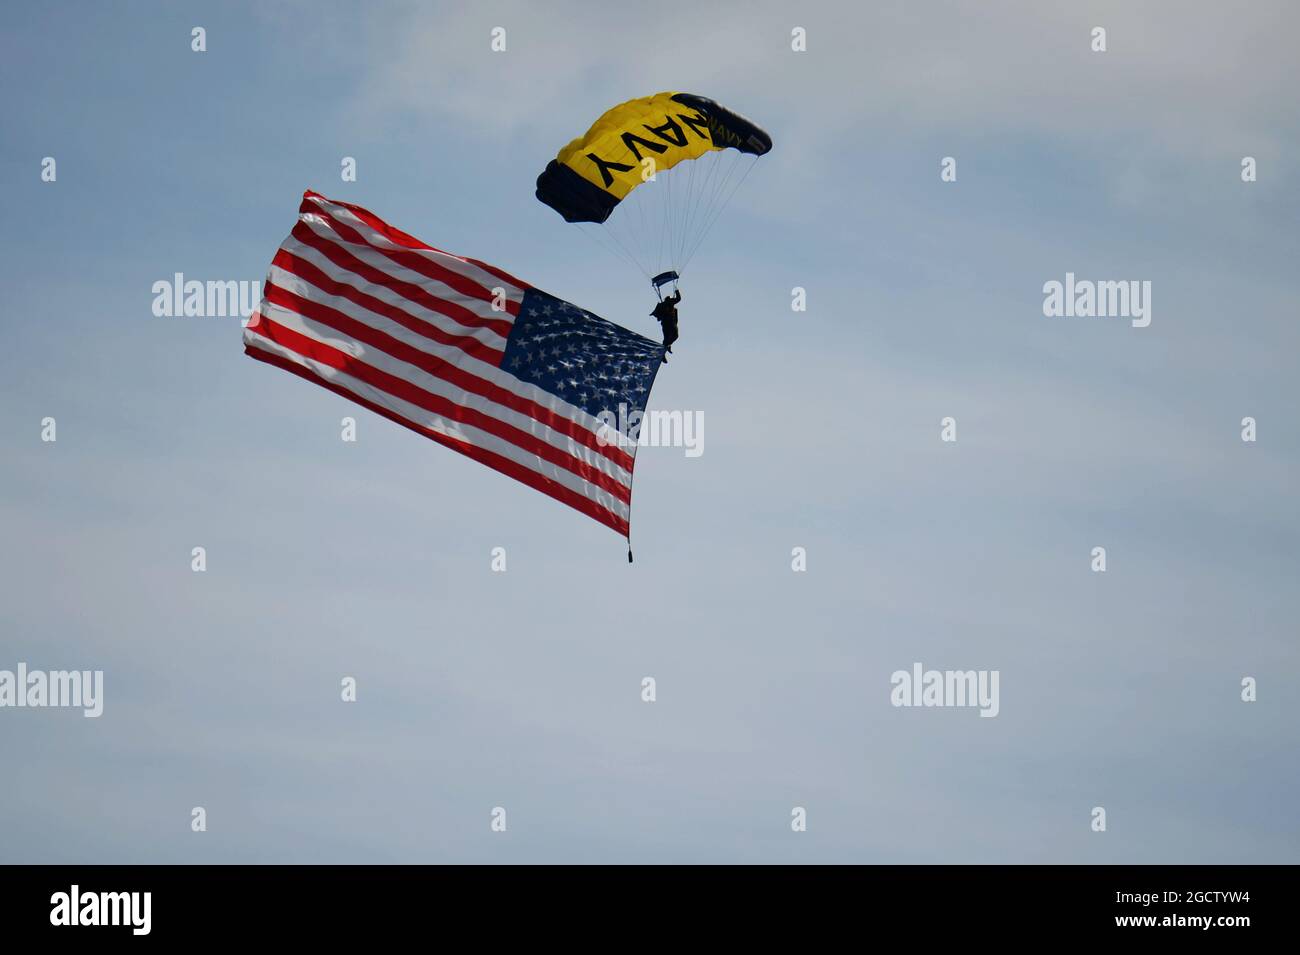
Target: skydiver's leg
<point>670,334</point>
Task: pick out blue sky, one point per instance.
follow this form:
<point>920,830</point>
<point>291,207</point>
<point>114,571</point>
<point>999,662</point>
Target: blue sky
<point>522,689</point>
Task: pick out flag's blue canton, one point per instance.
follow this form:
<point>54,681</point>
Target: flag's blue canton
<point>580,357</point>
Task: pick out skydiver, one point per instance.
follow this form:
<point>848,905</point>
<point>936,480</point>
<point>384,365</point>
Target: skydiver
<point>666,314</point>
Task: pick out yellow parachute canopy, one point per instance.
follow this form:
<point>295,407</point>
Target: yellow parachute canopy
<point>630,147</point>
<point>634,141</point>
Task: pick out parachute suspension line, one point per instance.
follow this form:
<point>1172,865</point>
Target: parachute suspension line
<point>647,222</point>
<point>680,209</point>
<point>726,190</point>
<point>728,167</point>
<point>638,201</point>
<point>582,227</point>
<point>651,234</point>
<point>630,257</point>
<point>734,189</point>
<point>726,201</point>
<point>692,207</point>
<point>719,170</point>
<point>649,202</point>
<point>649,226</point>
<point>666,237</point>
<point>619,253</point>
<point>634,227</point>
<point>688,206</point>
<point>693,194</point>
<point>688,182</point>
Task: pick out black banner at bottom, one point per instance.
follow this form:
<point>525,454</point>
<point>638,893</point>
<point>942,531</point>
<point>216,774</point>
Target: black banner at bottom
<point>374,903</point>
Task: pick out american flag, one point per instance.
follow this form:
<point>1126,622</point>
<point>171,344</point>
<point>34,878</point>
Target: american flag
<point>410,332</point>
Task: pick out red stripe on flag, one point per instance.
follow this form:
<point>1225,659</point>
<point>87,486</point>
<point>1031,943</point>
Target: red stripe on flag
<point>344,259</point>
<point>491,459</point>
<point>442,369</point>
<point>310,273</point>
<point>436,404</point>
<point>418,263</point>
<point>402,238</point>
